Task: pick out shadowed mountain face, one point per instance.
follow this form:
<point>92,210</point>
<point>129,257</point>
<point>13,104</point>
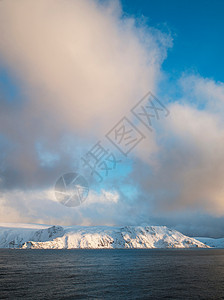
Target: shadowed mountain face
<point>57,237</point>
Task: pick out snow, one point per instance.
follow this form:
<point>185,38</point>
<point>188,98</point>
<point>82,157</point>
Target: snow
<point>213,243</point>
<point>36,236</point>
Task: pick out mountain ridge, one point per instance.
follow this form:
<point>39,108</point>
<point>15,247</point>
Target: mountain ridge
<point>34,236</point>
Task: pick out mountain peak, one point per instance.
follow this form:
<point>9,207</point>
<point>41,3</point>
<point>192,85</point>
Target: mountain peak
<point>93,237</point>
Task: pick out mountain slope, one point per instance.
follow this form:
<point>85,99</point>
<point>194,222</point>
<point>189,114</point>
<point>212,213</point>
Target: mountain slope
<point>214,243</point>
<point>30,236</point>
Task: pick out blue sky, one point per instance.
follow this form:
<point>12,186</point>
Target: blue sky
<point>197,28</point>
<point>70,70</point>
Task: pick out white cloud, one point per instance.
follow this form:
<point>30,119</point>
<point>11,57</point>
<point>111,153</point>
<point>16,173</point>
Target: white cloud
<point>81,66</point>
<point>189,174</point>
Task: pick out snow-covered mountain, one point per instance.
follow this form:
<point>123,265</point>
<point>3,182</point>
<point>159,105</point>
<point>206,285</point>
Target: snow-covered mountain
<point>213,243</point>
<point>33,236</point>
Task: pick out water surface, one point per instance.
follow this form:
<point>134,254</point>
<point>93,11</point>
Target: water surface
<point>112,274</point>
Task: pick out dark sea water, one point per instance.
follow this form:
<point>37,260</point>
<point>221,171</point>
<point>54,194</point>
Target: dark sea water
<point>112,274</point>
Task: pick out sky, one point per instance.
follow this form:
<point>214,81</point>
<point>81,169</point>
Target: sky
<point>74,72</point>
<point>196,27</point>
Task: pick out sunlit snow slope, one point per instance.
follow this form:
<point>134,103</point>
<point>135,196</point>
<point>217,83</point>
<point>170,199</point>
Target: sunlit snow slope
<point>35,236</point>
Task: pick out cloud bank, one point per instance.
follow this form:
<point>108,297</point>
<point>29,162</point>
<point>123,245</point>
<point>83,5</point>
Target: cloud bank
<point>80,66</point>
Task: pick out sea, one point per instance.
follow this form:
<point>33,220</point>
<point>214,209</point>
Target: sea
<point>112,274</point>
